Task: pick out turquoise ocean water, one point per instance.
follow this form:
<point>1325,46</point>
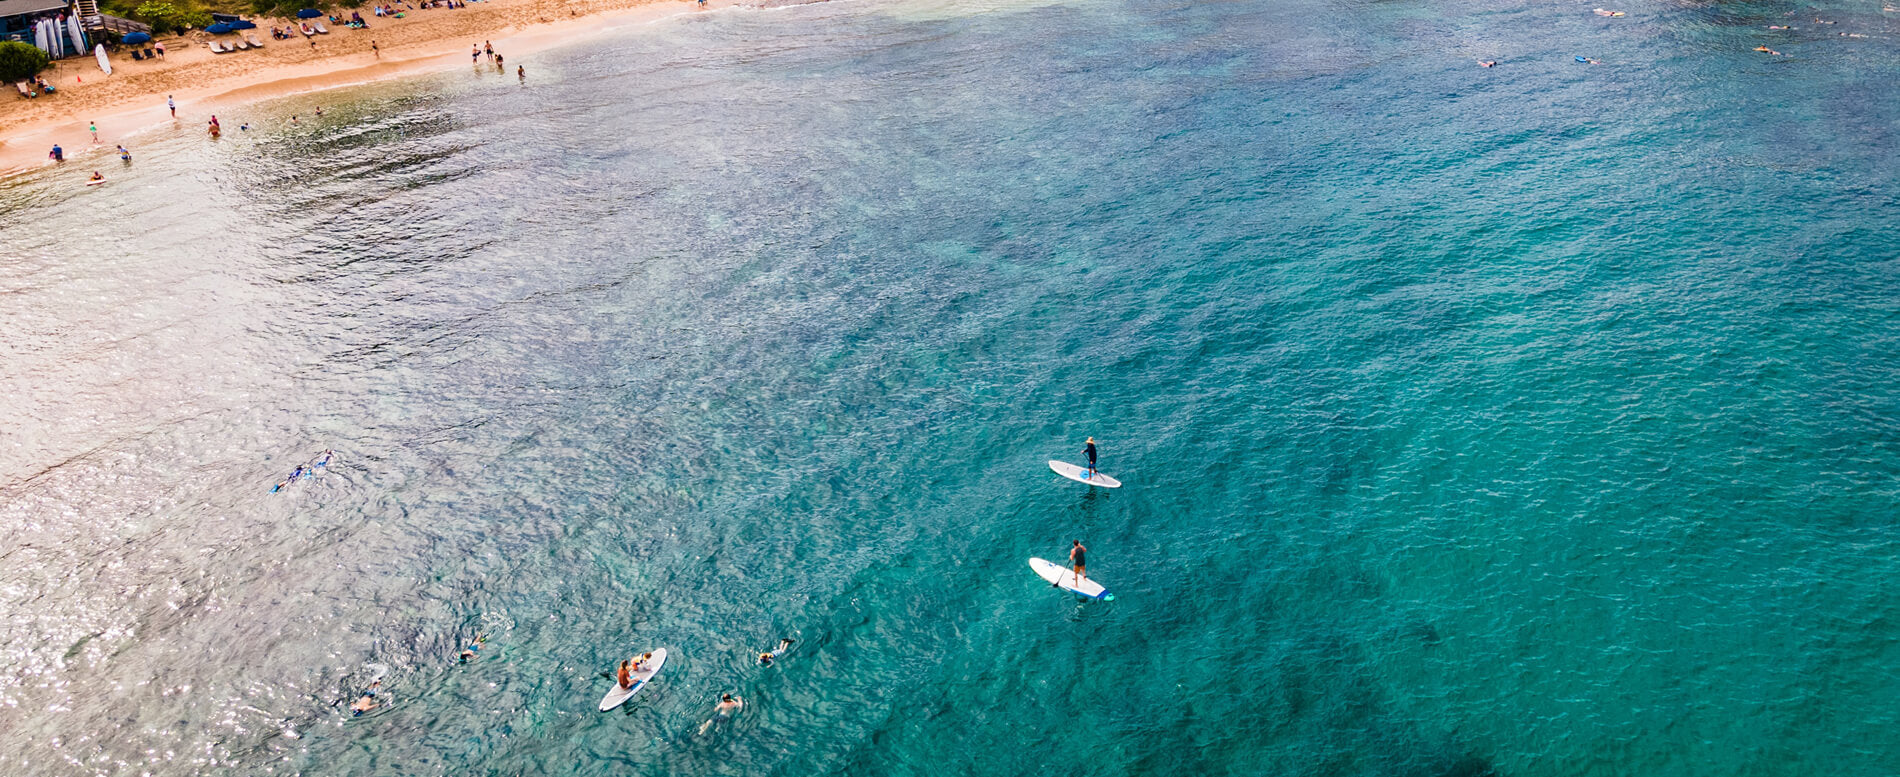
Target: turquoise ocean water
<point>1535,420</point>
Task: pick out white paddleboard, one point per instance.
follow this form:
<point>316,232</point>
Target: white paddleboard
<point>617,695</point>
<point>1081,475</point>
<point>1064,578</point>
<point>104,64</point>
<point>95,183</point>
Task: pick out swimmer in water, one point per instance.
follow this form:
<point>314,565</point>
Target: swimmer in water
<point>468,653</point>
<point>367,701</point>
<point>1766,50</point>
<point>1487,63</point>
<point>728,705</point>
<point>124,155</point>
<point>96,176</point>
<point>766,659</point>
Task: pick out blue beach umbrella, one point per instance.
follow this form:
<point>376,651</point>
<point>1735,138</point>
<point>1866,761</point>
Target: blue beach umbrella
<point>138,37</point>
<point>309,13</point>
<point>242,24</point>
<point>218,29</point>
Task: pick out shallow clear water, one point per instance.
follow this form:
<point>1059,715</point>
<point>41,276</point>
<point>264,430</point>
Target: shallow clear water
<point>1531,420</point>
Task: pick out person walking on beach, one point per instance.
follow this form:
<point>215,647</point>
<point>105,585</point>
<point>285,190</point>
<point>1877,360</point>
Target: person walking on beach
<point>1090,450</point>
<point>171,105</point>
<point>474,53</point>
<point>488,47</point>
<point>57,154</point>
<point>374,50</point>
<point>500,68</point>
<point>94,127</point>
<point>521,73</point>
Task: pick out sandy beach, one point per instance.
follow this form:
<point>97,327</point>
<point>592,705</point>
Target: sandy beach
<point>133,97</point>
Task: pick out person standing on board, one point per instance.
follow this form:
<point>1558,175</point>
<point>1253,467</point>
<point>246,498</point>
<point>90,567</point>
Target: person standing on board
<point>1090,450</point>
<point>1077,561</point>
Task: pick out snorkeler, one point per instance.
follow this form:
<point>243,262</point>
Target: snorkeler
<point>766,659</point>
<point>367,701</point>
<point>468,653</point>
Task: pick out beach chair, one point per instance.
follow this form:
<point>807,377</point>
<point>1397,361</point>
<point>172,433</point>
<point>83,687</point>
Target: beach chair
<point>237,45</point>
<point>255,43</point>
<point>137,57</point>
<point>322,30</point>
<point>25,93</point>
<point>218,48</point>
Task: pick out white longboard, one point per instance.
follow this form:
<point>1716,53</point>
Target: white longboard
<point>1064,578</point>
<point>618,695</point>
<point>1081,475</point>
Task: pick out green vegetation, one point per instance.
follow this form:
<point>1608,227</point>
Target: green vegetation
<point>168,16</point>
<point>163,16</point>
<point>19,61</point>
<point>285,8</point>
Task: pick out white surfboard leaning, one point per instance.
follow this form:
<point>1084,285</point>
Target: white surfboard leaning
<point>618,695</point>
<point>1081,475</point>
<point>1064,578</point>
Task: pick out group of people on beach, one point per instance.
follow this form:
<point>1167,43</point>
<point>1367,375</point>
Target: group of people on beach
<point>487,49</point>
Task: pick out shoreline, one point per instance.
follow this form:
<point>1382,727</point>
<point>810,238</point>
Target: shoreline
<point>124,109</point>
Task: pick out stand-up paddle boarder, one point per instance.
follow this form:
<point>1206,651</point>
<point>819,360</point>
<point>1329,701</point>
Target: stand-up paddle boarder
<point>1077,558</point>
<point>1090,450</point>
